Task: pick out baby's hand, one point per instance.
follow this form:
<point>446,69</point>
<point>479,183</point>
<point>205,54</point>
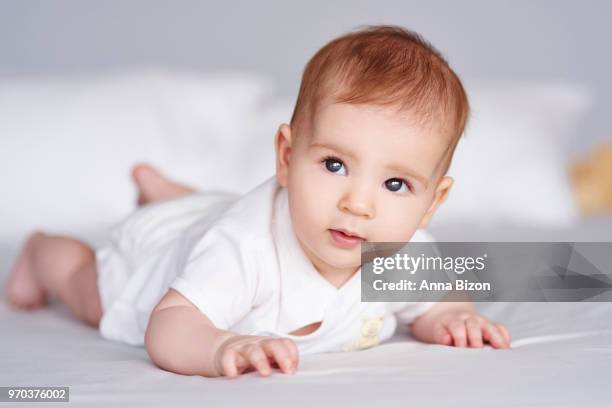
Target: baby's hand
<point>240,354</point>
<point>469,328</point>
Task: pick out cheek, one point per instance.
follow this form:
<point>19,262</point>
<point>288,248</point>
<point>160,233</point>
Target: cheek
<point>313,193</point>
<point>307,209</point>
<point>399,219</point>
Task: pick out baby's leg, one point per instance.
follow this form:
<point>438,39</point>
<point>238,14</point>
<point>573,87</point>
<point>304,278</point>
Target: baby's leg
<point>153,186</point>
<point>55,266</point>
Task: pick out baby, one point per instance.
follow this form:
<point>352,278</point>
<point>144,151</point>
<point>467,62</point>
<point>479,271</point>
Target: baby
<point>214,284</point>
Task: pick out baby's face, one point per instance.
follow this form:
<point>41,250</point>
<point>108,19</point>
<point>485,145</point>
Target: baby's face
<point>363,170</point>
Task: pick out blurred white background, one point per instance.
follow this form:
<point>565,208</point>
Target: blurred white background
<point>526,40</point>
<point>89,87</point>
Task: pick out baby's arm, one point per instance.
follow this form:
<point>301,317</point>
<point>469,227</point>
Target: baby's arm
<point>458,324</point>
<point>181,339</point>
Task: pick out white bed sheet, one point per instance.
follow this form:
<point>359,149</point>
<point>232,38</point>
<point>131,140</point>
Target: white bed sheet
<point>561,356</point>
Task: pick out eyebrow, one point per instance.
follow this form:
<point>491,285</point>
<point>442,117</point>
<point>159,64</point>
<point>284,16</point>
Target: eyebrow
<point>393,167</point>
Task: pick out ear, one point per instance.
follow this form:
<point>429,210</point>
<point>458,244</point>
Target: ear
<point>282,146</point>
<point>440,195</point>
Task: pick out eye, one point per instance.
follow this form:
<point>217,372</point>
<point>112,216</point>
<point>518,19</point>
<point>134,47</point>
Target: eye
<point>334,165</point>
<point>398,185</point>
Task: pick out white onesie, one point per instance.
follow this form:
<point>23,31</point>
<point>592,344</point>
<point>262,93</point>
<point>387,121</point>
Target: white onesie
<point>237,259</point>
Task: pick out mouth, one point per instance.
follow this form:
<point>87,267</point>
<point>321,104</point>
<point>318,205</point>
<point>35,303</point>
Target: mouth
<point>345,239</point>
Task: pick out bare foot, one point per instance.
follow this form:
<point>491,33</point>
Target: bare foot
<point>153,186</point>
<point>22,291</point>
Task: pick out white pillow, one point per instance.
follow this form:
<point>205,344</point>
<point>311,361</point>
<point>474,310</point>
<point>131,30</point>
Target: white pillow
<point>67,145</point>
<point>511,166</point>
<point>212,127</point>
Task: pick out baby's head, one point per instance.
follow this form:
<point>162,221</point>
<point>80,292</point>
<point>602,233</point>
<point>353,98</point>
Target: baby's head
<point>376,123</point>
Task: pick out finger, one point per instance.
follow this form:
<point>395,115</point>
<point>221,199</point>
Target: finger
<point>505,332</point>
<point>228,363</point>
<point>474,332</point>
<point>481,319</point>
<point>442,336</point>
<point>279,353</point>
<point>466,315</point>
<point>293,352</point>
<point>494,337</point>
<point>242,364</point>
<point>457,330</point>
<point>256,356</point>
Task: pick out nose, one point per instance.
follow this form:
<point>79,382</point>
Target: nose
<point>358,202</point>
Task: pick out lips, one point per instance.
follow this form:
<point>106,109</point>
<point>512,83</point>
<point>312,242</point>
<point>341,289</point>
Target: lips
<point>345,239</point>
<point>349,234</point>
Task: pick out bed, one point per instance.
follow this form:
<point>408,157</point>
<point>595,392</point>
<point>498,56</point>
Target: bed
<point>64,167</point>
<point>561,356</point>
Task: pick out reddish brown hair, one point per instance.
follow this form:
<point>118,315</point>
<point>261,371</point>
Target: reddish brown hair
<point>385,65</point>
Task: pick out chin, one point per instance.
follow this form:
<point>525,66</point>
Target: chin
<point>339,258</point>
